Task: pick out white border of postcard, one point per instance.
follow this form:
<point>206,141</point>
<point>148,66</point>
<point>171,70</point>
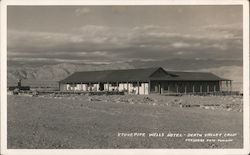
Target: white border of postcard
<point>3,93</point>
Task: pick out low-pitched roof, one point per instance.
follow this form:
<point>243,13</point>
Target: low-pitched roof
<point>133,75</point>
<point>191,76</point>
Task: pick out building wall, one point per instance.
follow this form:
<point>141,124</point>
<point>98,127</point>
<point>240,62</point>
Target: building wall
<point>155,87</point>
<point>126,87</point>
<point>79,87</point>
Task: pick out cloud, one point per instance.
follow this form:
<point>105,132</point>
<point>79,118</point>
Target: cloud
<point>224,31</point>
<point>45,60</point>
<point>180,53</point>
<point>82,11</point>
<point>97,43</point>
<point>224,27</point>
<point>180,45</point>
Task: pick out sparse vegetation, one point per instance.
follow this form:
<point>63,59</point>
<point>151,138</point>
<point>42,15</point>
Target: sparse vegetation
<point>85,121</point>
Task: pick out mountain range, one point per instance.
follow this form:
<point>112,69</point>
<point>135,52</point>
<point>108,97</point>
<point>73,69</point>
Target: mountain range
<point>49,74</point>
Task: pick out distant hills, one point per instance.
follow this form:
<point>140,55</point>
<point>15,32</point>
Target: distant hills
<point>48,74</point>
<point>234,73</point>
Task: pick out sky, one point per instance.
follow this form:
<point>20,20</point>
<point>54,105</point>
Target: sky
<point>107,34</point>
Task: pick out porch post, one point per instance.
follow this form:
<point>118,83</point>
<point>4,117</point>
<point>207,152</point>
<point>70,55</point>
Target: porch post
<point>108,86</point>
<point>144,88</point>
<point>149,85</point>
<point>117,86</point>
<point>159,88</point>
<point>128,87</point>
<point>177,88</point>
<point>220,83</point>
<point>185,89</point>
<point>227,85</point>
<point>193,86</point>
<point>168,88</point>
<point>138,87</point>
<point>230,85</point>
<point>162,87</point>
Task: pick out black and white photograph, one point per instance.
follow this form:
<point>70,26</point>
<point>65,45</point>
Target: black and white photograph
<point>125,77</point>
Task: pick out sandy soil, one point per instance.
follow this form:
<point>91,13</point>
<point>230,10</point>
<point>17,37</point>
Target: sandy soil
<point>95,121</point>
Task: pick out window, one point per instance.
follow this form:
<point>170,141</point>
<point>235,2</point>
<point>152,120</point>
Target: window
<point>72,85</point>
<point>136,85</point>
<point>90,85</point>
<point>114,84</point>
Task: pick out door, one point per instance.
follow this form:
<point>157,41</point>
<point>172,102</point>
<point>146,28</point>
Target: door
<point>101,86</point>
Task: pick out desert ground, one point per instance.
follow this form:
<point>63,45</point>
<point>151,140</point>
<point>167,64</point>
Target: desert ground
<point>106,121</point>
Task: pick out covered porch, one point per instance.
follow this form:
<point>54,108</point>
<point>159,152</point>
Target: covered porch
<point>190,87</point>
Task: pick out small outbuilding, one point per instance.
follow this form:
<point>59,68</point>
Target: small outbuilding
<point>146,81</point>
